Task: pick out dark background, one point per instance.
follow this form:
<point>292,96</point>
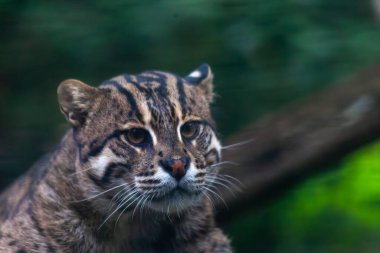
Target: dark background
<point>264,54</point>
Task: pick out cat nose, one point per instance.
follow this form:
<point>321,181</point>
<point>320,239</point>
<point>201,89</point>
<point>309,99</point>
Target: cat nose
<point>176,167</point>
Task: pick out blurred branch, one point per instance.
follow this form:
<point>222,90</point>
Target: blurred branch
<point>376,8</point>
<point>301,139</point>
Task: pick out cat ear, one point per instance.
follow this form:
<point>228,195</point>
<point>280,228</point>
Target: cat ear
<point>75,99</point>
<point>202,77</point>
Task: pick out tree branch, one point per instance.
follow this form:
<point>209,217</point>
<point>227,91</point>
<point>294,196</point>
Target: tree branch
<point>301,139</point>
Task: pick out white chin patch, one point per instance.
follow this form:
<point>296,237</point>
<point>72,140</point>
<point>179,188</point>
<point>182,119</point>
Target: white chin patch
<point>174,204</point>
<point>177,200</point>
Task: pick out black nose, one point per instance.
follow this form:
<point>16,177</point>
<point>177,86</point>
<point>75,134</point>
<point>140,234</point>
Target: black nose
<point>176,167</point>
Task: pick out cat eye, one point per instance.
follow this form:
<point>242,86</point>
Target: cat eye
<point>137,136</point>
<point>190,130</point>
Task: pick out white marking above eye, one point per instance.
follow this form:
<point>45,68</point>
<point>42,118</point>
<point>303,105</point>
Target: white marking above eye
<point>179,131</point>
<point>152,134</point>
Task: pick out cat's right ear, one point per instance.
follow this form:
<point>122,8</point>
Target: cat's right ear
<point>202,77</point>
<point>75,99</point>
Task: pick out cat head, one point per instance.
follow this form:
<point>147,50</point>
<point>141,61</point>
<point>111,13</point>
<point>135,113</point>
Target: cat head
<point>146,139</point>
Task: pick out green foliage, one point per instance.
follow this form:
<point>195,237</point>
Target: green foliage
<point>334,212</point>
<point>264,54</point>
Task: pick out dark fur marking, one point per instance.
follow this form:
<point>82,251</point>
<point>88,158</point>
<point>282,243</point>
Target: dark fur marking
<point>147,188</point>
<point>96,180</point>
<point>129,80</point>
<point>118,150</point>
<point>145,174</point>
<point>150,181</point>
<point>110,169</point>
<point>36,246</point>
<point>181,96</point>
<point>12,243</point>
<point>156,106</point>
<point>200,174</point>
<point>40,230</point>
<point>168,107</point>
<point>96,150</point>
<point>128,95</point>
<point>159,78</point>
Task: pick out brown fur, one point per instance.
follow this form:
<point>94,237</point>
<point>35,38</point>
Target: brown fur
<point>61,204</point>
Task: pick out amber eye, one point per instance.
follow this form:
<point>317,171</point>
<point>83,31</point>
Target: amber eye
<point>190,130</point>
<point>137,136</point>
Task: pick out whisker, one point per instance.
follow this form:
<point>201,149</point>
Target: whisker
<point>216,189</point>
<point>97,195</point>
<point>142,206</point>
<point>228,181</point>
<point>122,212</point>
<point>116,198</point>
<point>123,196</point>
<point>207,196</point>
<point>167,209</point>
<point>137,205</point>
<point>80,171</point>
<point>234,179</point>
<point>228,178</point>
<point>238,144</point>
<point>134,199</point>
<point>118,207</point>
<point>222,163</point>
<point>177,205</point>
<point>216,194</point>
<point>128,198</point>
<point>225,186</point>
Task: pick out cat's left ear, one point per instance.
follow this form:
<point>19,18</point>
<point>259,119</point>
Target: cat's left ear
<point>75,99</point>
<point>202,77</point>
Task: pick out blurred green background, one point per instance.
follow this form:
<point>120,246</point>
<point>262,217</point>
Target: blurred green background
<point>264,54</point>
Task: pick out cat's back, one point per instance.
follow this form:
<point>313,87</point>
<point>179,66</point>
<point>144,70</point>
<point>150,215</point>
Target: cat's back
<point>16,216</point>
<point>22,189</point>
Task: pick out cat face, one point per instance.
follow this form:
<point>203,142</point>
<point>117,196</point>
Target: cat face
<point>145,140</point>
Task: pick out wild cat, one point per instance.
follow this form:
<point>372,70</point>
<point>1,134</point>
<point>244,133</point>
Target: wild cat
<point>134,173</point>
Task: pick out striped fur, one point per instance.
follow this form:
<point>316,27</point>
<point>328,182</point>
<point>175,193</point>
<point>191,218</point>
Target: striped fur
<point>102,190</point>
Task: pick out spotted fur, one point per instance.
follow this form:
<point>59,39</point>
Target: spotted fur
<point>102,190</point>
